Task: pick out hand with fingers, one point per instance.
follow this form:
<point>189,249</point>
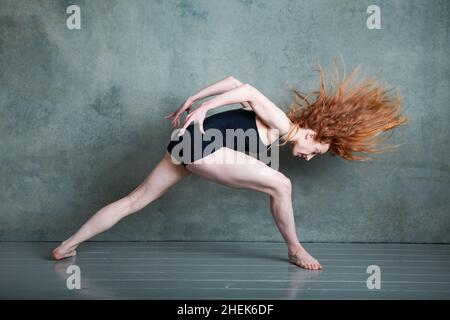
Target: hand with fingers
<point>185,106</point>
<point>198,115</point>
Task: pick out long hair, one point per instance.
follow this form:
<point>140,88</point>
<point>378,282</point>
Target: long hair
<point>351,117</point>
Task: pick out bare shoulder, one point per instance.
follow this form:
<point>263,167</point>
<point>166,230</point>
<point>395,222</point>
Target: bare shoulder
<point>266,135</point>
<point>268,112</point>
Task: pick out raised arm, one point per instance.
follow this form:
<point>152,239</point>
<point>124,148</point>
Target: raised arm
<point>270,114</point>
<point>219,87</point>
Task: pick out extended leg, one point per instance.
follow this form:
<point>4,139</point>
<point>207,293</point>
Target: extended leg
<point>161,179</point>
<point>238,170</point>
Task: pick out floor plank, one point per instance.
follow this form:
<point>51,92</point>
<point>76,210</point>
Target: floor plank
<point>224,270</point>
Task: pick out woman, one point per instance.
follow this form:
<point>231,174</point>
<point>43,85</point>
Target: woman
<point>340,122</point>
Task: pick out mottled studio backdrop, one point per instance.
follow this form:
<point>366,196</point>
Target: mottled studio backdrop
<point>82,111</point>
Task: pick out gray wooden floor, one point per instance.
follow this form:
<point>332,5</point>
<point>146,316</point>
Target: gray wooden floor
<point>223,270</point>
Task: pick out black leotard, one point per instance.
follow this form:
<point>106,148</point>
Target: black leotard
<point>231,119</point>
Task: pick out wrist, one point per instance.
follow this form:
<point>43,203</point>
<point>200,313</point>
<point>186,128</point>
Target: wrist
<point>191,99</point>
<point>205,106</point>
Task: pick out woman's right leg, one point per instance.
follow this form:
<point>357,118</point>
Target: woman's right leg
<point>161,178</point>
<point>238,170</point>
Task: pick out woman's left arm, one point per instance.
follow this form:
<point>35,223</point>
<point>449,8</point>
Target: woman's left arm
<point>219,87</point>
<point>227,84</point>
<point>270,114</point>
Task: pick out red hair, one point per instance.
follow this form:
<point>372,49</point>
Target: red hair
<point>351,117</point>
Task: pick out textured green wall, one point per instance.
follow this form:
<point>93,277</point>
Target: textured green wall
<point>82,111</point>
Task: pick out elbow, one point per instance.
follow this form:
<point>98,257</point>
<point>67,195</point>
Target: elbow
<point>236,82</point>
<point>249,91</point>
<point>247,88</point>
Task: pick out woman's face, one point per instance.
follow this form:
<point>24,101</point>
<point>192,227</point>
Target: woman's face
<point>304,146</point>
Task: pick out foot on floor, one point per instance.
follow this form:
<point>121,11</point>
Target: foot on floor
<point>64,251</point>
<point>303,259</point>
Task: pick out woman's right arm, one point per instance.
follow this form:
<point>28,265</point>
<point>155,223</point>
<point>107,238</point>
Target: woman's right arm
<point>270,114</point>
<point>219,87</point>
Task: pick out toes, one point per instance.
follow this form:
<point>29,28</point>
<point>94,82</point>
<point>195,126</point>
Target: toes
<point>310,266</point>
<point>55,255</point>
<point>314,266</point>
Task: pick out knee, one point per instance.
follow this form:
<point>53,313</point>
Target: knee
<point>137,200</point>
<point>282,187</point>
<point>133,205</point>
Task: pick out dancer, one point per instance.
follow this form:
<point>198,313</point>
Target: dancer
<point>340,122</point>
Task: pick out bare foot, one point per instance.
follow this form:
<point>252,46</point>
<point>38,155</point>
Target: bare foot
<point>303,259</point>
<point>64,251</point>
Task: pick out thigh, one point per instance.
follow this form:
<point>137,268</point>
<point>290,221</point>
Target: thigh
<point>238,170</point>
<point>163,176</point>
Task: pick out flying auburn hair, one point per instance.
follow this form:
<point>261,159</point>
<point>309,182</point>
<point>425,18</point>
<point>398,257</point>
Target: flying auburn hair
<point>350,118</point>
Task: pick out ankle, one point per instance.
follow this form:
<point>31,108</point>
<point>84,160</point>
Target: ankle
<point>68,243</point>
<point>295,248</point>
